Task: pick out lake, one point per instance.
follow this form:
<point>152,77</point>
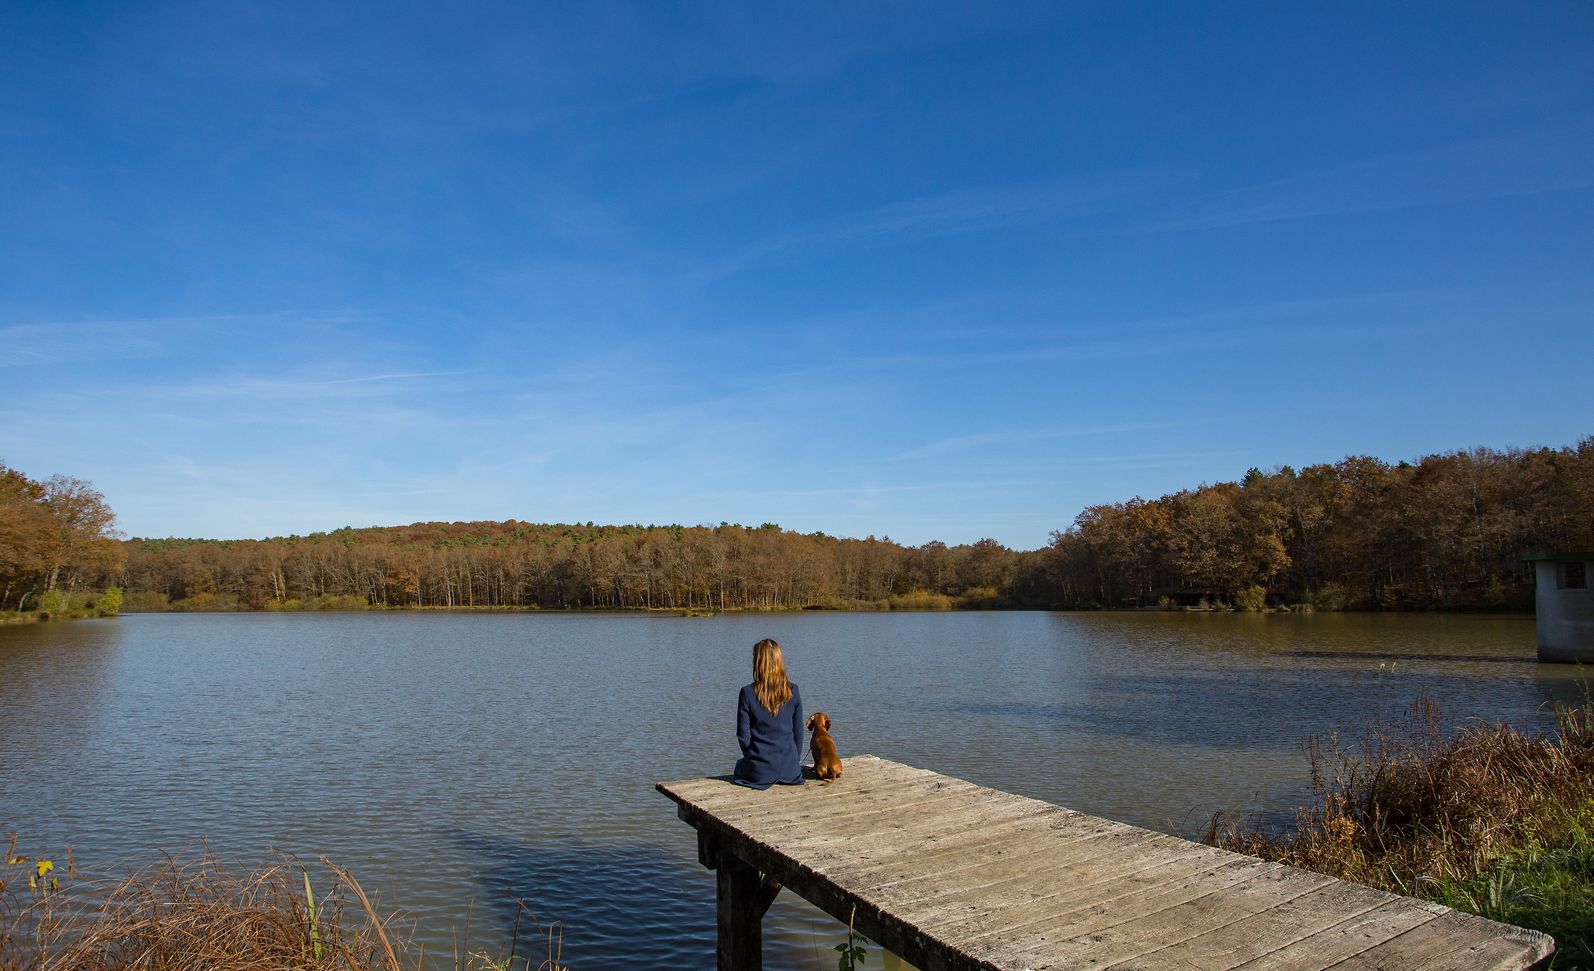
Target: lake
<point>454,761</point>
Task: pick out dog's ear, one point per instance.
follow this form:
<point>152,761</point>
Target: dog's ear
<point>824,718</point>
<point>811,719</point>
<point>827,723</point>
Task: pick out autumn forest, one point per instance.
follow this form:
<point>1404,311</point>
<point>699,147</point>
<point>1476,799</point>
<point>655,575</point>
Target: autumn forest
<point>1446,531</point>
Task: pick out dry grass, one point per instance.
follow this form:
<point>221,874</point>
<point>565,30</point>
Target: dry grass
<point>203,916</point>
<point>1409,800</point>
<point>1485,818</point>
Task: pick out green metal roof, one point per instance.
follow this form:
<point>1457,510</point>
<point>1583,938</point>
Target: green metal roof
<point>1560,557</point>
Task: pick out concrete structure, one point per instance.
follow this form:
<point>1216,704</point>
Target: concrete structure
<point>957,877</point>
<point>1565,602</point>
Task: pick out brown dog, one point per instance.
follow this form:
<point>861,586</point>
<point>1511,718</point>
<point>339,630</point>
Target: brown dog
<point>827,765</point>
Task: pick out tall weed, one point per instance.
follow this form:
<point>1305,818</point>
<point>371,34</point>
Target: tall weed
<point>1483,818</point>
<point>204,915</point>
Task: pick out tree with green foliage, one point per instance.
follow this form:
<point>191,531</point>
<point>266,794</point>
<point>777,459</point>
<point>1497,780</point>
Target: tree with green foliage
<point>110,602</point>
<point>52,604</point>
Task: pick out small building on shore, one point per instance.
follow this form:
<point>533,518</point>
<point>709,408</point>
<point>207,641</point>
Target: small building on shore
<point>1564,605</point>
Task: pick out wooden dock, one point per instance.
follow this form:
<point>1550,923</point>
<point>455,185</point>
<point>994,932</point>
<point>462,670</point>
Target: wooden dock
<point>951,875</point>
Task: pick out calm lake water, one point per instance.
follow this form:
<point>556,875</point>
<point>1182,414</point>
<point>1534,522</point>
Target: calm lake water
<point>458,758</point>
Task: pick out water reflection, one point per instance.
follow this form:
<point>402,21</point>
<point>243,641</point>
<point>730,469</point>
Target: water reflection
<point>614,904</point>
<point>1412,656</point>
<point>451,759</point>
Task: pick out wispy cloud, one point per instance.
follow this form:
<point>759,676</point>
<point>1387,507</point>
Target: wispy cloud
<point>312,393</point>
<point>51,343</point>
<point>395,377</point>
<point>961,443</point>
<point>110,338</point>
<point>967,210</point>
<point>793,46</point>
<point>1547,157</point>
<point>1216,331</point>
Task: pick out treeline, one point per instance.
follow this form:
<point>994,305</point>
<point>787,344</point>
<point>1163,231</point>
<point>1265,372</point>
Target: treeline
<point>516,564</point>
<point>1447,531</point>
<point>56,536</point>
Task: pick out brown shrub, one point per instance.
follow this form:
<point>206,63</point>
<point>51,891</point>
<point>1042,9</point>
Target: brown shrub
<point>1412,803</point>
<point>201,916</point>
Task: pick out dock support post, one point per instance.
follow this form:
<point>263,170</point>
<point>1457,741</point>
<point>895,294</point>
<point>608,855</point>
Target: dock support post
<point>742,903</point>
<point>743,896</point>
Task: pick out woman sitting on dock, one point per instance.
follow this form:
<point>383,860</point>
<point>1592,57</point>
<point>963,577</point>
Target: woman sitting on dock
<point>769,723</point>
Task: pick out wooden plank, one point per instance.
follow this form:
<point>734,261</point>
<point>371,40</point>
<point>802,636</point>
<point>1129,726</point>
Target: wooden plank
<point>934,815</point>
<point>1490,954</point>
<point>863,774</point>
<point>961,938</point>
<point>761,809</point>
<point>982,935</point>
<point>1139,886</point>
<point>891,933</point>
<point>750,808</point>
<point>724,795</point>
<point>872,812</point>
<point>1451,940</point>
<point>1498,942</point>
<point>1010,835</point>
<point>1081,908</point>
<point>1108,937</point>
<point>1059,889</point>
<point>953,874</point>
<point>907,827</point>
<point>948,874</point>
<point>1352,937</point>
<point>1025,871</point>
<point>728,800</point>
<point>847,836</point>
<point>854,838</point>
<point>1265,933</point>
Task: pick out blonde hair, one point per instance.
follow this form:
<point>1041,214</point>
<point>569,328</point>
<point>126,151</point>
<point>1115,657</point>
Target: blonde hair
<point>769,676</point>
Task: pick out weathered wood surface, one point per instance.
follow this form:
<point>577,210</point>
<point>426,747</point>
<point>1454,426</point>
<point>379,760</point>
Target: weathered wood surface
<point>949,874</point>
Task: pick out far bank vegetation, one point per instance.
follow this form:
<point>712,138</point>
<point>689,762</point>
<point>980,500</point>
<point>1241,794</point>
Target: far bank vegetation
<point>1443,532</point>
<point>59,549</point>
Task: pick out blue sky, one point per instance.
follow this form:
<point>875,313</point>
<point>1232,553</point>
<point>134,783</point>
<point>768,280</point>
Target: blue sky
<point>926,271</point>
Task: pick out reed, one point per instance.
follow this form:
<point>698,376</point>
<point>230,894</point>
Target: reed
<point>1483,818</point>
<point>204,915</point>
<point>920,600</point>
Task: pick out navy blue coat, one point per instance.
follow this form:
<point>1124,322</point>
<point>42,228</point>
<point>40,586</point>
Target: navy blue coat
<point>772,745</point>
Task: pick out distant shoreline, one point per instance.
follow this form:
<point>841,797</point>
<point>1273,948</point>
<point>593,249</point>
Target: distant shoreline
<point>1302,609</point>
